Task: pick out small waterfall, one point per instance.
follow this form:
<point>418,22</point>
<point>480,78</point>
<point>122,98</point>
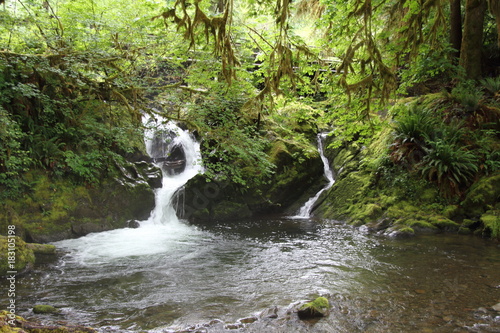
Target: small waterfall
<point>305,210</point>
<point>177,153</point>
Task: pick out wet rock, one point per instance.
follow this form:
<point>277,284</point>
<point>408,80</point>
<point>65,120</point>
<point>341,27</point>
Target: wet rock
<point>496,307</point>
<point>10,323</point>
<point>233,326</point>
<point>400,232</point>
<point>88,228</point>
<point>248,320</point>
<point>45,309</point>
<point>320,307</point>
<point>134,224</point>
<point>270,313</point>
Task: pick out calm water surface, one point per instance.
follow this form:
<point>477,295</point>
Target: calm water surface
<point>170,277</point>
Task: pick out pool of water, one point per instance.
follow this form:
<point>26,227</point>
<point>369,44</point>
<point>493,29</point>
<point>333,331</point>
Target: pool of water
<point>164,278</point>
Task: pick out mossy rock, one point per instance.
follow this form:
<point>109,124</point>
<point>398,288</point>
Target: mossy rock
<point>343,198</point>
<point>367,212</point>
<point>320,307</point>
<point>6,319</point>
<point>482,195</point>
<point>491,221</point>
<point>58,209</point>
<point>47,249</point>
<point>15,324</point>
<point>444,223</point>
<point>24,256</point>
<point>45,309</point>
<point>420,225</point>
<point>400,231</point>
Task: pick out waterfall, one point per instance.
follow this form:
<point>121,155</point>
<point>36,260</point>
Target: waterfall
<point>305,210</point>
<point>177,153</point>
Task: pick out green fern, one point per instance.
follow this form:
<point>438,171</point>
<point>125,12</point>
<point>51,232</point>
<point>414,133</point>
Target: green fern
<point>451,166</point>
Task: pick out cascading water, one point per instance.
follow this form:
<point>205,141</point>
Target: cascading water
<point>178,155</point>
<point>305,210</point>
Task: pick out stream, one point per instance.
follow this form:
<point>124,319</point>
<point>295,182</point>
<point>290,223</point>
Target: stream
<point>172,276</point>
<point>183,275</point>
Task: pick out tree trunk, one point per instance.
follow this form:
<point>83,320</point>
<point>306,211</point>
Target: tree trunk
<point>472,40</point>
<point>455,26</point>
<point>495,10</point>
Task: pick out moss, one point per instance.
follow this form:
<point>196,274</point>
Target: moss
<point>452,211</point>
<point>365,213</point>
<point>44,309</point>
<point>58,209</point>
<point>42,248</point>
<point>317,308</point>
<point>342,199</point>
<point>407,230</point>
<point>24,256</point>
<point>491,221</point>
<point>429,195</point>
<point>443,223</point>
<point>400,231</point>
<point>482,195</point>
<point>419,224</point>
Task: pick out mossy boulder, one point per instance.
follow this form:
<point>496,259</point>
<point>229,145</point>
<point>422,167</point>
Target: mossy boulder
<point>23,259</point>
<point>45,249</point>
<point>491,222</point>
<point>320,307</point>
<point>57,209</point>
<point>205,199</point>
<point>482,196</point>
<point>45,309</point>
<point>10,323</point>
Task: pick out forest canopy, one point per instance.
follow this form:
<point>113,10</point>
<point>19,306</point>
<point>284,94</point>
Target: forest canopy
<point>88,69</point>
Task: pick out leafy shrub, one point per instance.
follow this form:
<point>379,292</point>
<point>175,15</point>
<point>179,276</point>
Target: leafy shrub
<point>411,131</point>
<point>415,126</point>
<point>231,147</point>
<point>13,159</point>
<point>449,165</point>
<point>468,96</point>
<point>491,84</point>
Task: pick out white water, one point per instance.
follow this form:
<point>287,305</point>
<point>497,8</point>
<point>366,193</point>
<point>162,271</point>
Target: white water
<point>161,231</point>
<point>305,210</point>
<point>164,211</point>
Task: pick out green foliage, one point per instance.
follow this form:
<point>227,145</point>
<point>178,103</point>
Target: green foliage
<point>437,150</point>
<point>415,125</point>
<point>13,159</point>
<point>468,96</point>
<point>491,84</point>
<point>430,70</point>
<point>232,148</point>
<point>449,165</point>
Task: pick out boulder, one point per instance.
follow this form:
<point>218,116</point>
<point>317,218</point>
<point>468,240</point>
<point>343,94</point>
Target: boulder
<point>320,307</point>
<point>15,256</point>
<point>45,309</point>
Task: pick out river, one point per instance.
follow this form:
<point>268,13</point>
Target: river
<point>228,271</point>
<point>172,276</point>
